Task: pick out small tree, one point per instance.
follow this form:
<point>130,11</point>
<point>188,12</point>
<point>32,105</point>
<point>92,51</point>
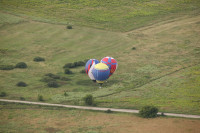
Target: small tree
<point>89,100</point>
<point>148,112</point>
<point>21,65</point>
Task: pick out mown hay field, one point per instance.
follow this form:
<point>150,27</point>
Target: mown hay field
<point>33,118</point>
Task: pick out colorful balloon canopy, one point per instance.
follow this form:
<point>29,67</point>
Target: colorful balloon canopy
<point>101,72</point>
<point>89,67</point>
<point>111,63</point>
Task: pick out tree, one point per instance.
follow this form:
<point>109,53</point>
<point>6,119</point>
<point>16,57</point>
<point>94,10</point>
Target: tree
<point>148,112</point>
<point>89,99</point>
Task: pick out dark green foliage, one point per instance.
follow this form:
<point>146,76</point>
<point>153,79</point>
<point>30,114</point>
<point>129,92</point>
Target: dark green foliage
<point>67,71</point>
<point>133,48</point>
<point>21,84</point>
<point>148,112</point>
<point>38,59</point>
<point>69,27</point>
<point>162,114</point>
<point>6,67</point>
<point>64,79</point>
<point>75,64</point>
<point>52,76</point>
<point>82,71</point>
<point>21,65</point>
<point>108,111</point>
<point>53,84</point>
<point>88,99</point>
<point>22,98</point>
<point>47,79</point>
<point>68,65</point>
<point>40,98</point>
<point>65,94</point>
<point>3,94</point>
<point>80,63</point>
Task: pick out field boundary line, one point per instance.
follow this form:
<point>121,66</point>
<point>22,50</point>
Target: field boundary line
<point>96,108</point>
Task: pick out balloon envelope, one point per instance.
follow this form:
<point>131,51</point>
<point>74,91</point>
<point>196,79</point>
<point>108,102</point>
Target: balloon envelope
<point>89,67</point>
<point>101,72</point>
<point>111,63</point>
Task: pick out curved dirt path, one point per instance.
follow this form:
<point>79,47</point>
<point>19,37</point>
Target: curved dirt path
<point>96,108</point>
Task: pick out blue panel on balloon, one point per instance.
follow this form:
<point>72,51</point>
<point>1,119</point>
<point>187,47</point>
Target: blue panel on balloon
<point>89,64</point>
<point>101,72</point>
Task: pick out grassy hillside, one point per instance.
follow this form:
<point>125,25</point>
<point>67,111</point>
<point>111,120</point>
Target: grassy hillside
<point>117,15</point>
<point>162,70</point>
<point>26,118</point>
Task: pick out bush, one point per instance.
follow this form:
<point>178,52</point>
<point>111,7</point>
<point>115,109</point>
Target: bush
<point>80,63</point>
<point>133,48</point>
<point>40,98</point>
<point>21,84</point>
<point>21,65</point>
<point>65,94</point>
<point>148,112</point>
<point>47,79</point>
<point>38,59</point>
<point>3,94</point>
<point>6,67</point>
<point>53,84</point>
<point>22,98</point>
<point>82,71</point>
<point>64,79</point>
<point>108,111</point>
<point>88,99</point>
<point>52,76</point>
<point>69,27</point>
<point>68,65</point>
<point>67,71</point>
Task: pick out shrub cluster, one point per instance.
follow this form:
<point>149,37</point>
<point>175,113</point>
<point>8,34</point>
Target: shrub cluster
<point>53,76</point>
<point>75,64</point>
<point>6,67</point>
<point>51,80</point>
<point>38,59</point>
<point>21,65</point>
<point>21,84</point>
<point>3,94</point>
<point>89,99</point>
<point>148,112</point>
<point>53,84</point>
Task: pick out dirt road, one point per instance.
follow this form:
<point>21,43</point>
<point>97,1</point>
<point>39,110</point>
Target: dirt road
<point>97,108</point>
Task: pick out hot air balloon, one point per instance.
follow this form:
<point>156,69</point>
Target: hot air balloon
<point>101,73</point>
<point>111,63</point>
<point>89,67</point>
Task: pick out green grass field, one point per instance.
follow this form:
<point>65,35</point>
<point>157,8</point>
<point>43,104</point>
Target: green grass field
<point>163,70</point>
